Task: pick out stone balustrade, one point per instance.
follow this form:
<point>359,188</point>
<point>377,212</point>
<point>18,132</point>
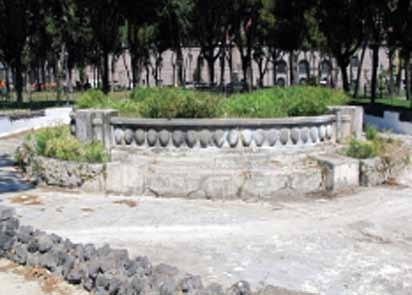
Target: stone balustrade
<point>223,134</point>
<point>114,131</point>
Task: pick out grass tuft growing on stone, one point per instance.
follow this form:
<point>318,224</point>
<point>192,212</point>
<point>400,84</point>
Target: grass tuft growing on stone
<point>58,143</point>
<point>374,145</point>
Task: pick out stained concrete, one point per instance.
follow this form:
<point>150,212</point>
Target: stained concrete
<point>357,244</point>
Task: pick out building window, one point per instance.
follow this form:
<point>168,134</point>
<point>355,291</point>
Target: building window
<point>281,82</point>
<point>304,67</point>
<point>325,68</point>
<point>281,67</point>
<point>354,62</point>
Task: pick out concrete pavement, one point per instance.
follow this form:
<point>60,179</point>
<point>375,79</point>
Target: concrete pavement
<point>360,243</point>
<point>357,244</point>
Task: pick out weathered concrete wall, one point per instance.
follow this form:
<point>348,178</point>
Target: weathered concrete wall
<point>202,174</point>
<point>380,170</point>
<point>102,270</point>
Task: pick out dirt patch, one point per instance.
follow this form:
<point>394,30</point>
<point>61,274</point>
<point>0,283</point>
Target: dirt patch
<point>87,210</point>
<point>8,267</point>
<point>27,200</point>
<point>47,282</point>
<point>129,203</point>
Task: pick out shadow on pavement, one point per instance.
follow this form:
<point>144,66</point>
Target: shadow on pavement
<point>10,179</point>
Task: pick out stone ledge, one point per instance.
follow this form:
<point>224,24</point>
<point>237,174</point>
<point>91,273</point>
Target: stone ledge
<point>104,270</point>
<point>340,173</point>
<point>227,123</point>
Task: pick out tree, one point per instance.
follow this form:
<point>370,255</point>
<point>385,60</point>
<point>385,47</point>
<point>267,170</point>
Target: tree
<point>174,20</point>
<point>342,23</point>
<point>16,19</point>
<point>291,29</point>
<point>375,11</point>
<point>209,30</point>
<point>105,20</point>
<point>244,26</point>
<point>140,19</point>
<point>399,21</point>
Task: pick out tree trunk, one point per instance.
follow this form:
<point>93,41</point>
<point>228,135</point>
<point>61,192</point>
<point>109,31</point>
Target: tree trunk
<point>399,76</point>
<point>19,79</point>
<point>291,69</point>
<point>113,72</point>
<point>230,63</point>
<point>7,83</point>
<point>211,69</point>
<point>408,76</point>
<point>359,73</point>
<point>275,70</point>
<point>105,74</point>
<point>158,65</point>
<point>246,71</point>
<point>147,75</point>
<point>375,65</point>
<point>391,81</point>
<point>179,65</point>
<point>134,64</point>
<point>59,73</point>
<point>343,65</point>
<point>222,60</point>
<point>38,78</point>
<point>129,80</point>
<point>70,80</point>
<point>43,74</point>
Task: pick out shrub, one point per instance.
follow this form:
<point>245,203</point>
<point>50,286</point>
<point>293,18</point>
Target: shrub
<point>362,149</point>
<point>92,99</point>
<point>58,143</point>
<point>177,103</point>
<point>312,101</point>
<point>259,104</point>
<point>180,103</point>
<point>283,102</point>
<point>95,153</point>
<point>95,99</point>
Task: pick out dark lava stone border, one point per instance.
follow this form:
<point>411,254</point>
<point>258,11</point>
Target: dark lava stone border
<point>103,270</point>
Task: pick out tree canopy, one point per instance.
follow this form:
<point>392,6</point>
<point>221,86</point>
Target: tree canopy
<point>68,34</point>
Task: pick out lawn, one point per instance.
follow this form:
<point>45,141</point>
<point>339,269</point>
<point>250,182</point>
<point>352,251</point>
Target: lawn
<point>393,102</point>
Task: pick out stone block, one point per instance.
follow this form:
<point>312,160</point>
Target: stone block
<point>94,125</point>
<point>339,172</point>
<point>349,121</point>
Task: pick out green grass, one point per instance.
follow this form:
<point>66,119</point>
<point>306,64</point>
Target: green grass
<point>58,143</point>
<point>394,102</point>
<point>372,146</point>
<point>180,103</point>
